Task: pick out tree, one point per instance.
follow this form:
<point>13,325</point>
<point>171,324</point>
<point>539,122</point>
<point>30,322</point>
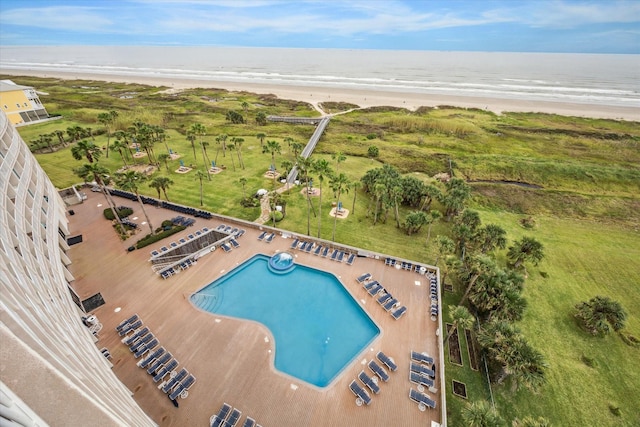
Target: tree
<point>108,120</point>
<point>472,268</point>
<point>460,316</point>
<point>234,117</point>
<point>261,136</point>
<point>414,221</point>
<point>525,249</point>
<point>101,176</point>
<point>339,184</point>
<point>272,147</point>
<point>454,199</point>
<point>121,148</point>
<point>222,142</point>
<point>396,196</point>
<point>600,314</point>
<point>512,356</point>
<point>243,182</point>
<point>446,246</point>
<point>379,192</point>
<point>480,414</point>
<point>164,158</point>
<point>191,137</point>
<point>200,175</point>
<point>497,294</point>
<point>339,157</point>
<point>197,129</point>
<point>130,181</point>
<point>354,186</point>
<point>322,169</point>
<point>261,118</point>
<point>432,217</point>
<point>304,167</point>
<point>161,183</point>
<point>86,149</point>
<point>490,237</point>
<point>238,143</point>
<point>297,148</point>
<point>245,106</point>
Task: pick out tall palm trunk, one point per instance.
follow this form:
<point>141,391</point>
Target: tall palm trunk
<point>144,211</point>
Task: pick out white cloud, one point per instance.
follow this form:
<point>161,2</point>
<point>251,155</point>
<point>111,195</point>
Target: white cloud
<point>562,14</point>
<point>68,18</point>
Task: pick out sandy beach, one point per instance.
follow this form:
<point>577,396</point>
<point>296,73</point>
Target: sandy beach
<point>362,98</point>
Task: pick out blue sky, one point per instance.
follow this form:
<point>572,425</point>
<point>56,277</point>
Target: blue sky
<point>605,26</point>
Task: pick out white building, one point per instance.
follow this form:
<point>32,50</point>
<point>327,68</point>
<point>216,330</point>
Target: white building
<point>51,371</point>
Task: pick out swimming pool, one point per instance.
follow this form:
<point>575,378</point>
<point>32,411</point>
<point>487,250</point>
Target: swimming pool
<point>317,326</point>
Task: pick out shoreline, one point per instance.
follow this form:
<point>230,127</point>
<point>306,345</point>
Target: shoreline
<point>363,98</point>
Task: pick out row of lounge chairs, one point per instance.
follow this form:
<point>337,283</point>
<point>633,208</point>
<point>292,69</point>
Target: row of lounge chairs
<point>266,236</point>
<point>371,382</point>
<point>422,373</point>
<point>182,241</point>
<point>229,416</point>
<point>433,291</point>
<point>234,231</point>
<point>165,274</point>
<point>185,222</point>
<point>158,361</point>
<point>198,213</point>
<point>323,251</point>
<point>384,297</point>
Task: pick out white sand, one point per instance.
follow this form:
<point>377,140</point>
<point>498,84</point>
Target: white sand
<point>363,98</point>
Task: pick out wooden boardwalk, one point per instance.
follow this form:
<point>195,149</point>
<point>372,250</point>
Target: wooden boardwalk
<point>232,359</point>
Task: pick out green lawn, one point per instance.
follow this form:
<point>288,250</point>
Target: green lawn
<point>587,210</point>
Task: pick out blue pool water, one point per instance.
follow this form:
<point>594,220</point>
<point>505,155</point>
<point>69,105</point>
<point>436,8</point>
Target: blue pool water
<point>317,326</point>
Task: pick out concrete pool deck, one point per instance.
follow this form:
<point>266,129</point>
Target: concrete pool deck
<point>232,359</point>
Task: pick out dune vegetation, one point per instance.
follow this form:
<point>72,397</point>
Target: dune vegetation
<point>571,184</point>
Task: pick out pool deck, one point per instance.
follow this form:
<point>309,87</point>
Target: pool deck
<point>232,359</point>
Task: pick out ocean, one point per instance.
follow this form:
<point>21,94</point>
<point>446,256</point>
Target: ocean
<point>601,79</point>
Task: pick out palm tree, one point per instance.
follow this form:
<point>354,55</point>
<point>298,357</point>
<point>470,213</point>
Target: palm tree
<point>243,182</point>
<point>507,348</point>
<point>261,136</point>
<point>272,147</point>
<point>601,314</point>
<point>86,149</point>
<point>473,267</point>
<point>304,166</point>
<point>339,184</point>
<point>108,120</point>
<point>525,249</point>
<point>379,191</point>
<point>490,237</point>
<point>130,181</point>
<point>446,246</point>
<point>354,186</point>
<point>288,140</point>
<point>120,147</point>
<point>339,157</point>
<point>432,217</point>
<point>232,147</point>
<point>245,106</point>
<point>322,169</point>
<point>161,183</point>
<point>191,137</point>
<point>396,197</point>
<point>164,158</point>
<point>222,140</point>
<point>460,316</point>
<point>200,175</point>
<point>101,176</point>
<point>297,148</point>
<point>238,142</point>
<point>198,129</point>
<point>480,414</point>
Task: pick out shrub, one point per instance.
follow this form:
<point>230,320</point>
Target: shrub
<point>277,215</point>
<point>250,202</point>
<point>152,238</point>
<point>373,151</point>
<point>122,213</point>
<point>371,136</point>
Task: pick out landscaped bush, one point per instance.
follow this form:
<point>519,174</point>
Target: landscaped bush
<point>250,202</point>
<point>277,215</point>
<point>122,213</point>
<point>152,238</point>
